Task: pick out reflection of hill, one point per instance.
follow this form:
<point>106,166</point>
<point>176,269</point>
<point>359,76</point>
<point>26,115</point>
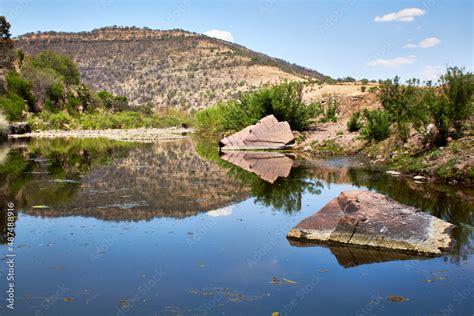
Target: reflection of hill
<point>163,179</point>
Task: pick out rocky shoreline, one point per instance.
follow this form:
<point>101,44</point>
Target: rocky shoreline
<point>144,135</point>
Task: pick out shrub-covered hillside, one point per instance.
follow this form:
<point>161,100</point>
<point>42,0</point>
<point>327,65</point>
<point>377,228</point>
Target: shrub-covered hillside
<point>165,68</point>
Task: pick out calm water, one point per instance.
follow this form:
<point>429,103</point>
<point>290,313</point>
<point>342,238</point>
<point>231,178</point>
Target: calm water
<point>110,228</point>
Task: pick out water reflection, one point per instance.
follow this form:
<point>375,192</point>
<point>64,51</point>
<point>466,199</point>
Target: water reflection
<point>131,182</point>
<point>268,166</point>
<point>349,257</point>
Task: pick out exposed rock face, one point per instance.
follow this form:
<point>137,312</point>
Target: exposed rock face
<point>268,133</point>
<point>368,219</point>
<point>269,166</point>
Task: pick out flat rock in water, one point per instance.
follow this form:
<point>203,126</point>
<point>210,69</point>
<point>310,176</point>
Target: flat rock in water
<point>268,133</point>
<point>369,219</point>
<point>269,166</point>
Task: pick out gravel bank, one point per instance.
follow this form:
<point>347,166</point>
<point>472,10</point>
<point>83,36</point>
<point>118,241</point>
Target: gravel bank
<point>146,135</point>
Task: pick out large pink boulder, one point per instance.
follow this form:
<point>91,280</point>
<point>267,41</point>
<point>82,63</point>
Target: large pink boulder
<point>369,219</point>
<point>268,133</point>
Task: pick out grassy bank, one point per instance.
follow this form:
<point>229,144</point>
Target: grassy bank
<point>106,120</point>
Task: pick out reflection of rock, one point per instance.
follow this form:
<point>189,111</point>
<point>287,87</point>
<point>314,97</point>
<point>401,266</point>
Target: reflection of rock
<point>371,219</point>
<point>350,256</point>
<point>268,133</point>
<point>269,166</point>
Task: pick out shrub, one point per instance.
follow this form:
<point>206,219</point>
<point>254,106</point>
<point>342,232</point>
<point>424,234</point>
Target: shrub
<point>377,126</point>
<point>363,88</point>
<point>18,85</point>
<point>329,111</point>
<point>284,101</point>
<point>458,87</point>
<point>354,124</point>
<point>62,64</point>
<point>399,102</point>
<point>449,105</point>
<point>13,106</point>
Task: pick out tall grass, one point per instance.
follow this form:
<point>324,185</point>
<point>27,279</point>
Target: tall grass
<point>105,120</point>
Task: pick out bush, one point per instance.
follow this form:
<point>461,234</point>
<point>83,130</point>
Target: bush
<point>329,111</point>
<point>18,85</point>
<point>399,102</point>
<point>284,101</point>
<point>13,106</point>
<point>354,124</point>
<point>62,64</point>
<point>449,103</point>
<point>377,126</point>
<point>458,87</point>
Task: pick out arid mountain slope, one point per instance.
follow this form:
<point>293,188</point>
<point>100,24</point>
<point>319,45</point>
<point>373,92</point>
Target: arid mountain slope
<point>165,68</point>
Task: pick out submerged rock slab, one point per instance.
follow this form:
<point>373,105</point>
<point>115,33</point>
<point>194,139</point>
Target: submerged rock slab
<point>369,219</point>
<point>268,133</point>
<point>269,166</point>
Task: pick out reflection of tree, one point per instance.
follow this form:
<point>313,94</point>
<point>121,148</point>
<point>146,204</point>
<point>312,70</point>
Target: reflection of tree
<point>51,160</point>
<point>284,194</point>
<point>447,203</point>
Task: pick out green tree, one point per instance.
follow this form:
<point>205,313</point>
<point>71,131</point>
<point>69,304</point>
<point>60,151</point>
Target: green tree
<point>377,126</point>
<point>12,106</point>
<point>4,28</point>
<point>63,65</point>
<point>399,100</point>
<point>458,87</point>
<point>449,103</point>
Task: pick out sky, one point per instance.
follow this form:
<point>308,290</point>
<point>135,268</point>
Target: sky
<point>362,39</point>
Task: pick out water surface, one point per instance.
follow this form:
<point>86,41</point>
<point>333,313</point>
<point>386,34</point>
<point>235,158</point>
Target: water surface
<point>113,228</point>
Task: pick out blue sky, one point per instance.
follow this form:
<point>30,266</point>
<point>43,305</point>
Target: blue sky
<point>362,39</point>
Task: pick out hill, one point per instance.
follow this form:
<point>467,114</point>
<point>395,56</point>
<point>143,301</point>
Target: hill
<point>175,68</point>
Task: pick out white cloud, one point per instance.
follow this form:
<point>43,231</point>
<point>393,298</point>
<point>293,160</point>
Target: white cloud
<point>393,63</point>
<point>429,42</point>
<point>225,211</point>
<point>432,72</point>
<point>405,15</point>
<point>223,35</point>
<point>426,43</point>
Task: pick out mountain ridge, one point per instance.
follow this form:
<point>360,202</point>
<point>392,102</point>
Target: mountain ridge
<point>163,68</point>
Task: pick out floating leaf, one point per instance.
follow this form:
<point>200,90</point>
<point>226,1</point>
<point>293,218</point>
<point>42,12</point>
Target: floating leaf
<point>275,314</point>
<point>397,298</point>
<point>68,299</point>
<point>289,281</point>
<point>282,281</point>
<point>40,206</point>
